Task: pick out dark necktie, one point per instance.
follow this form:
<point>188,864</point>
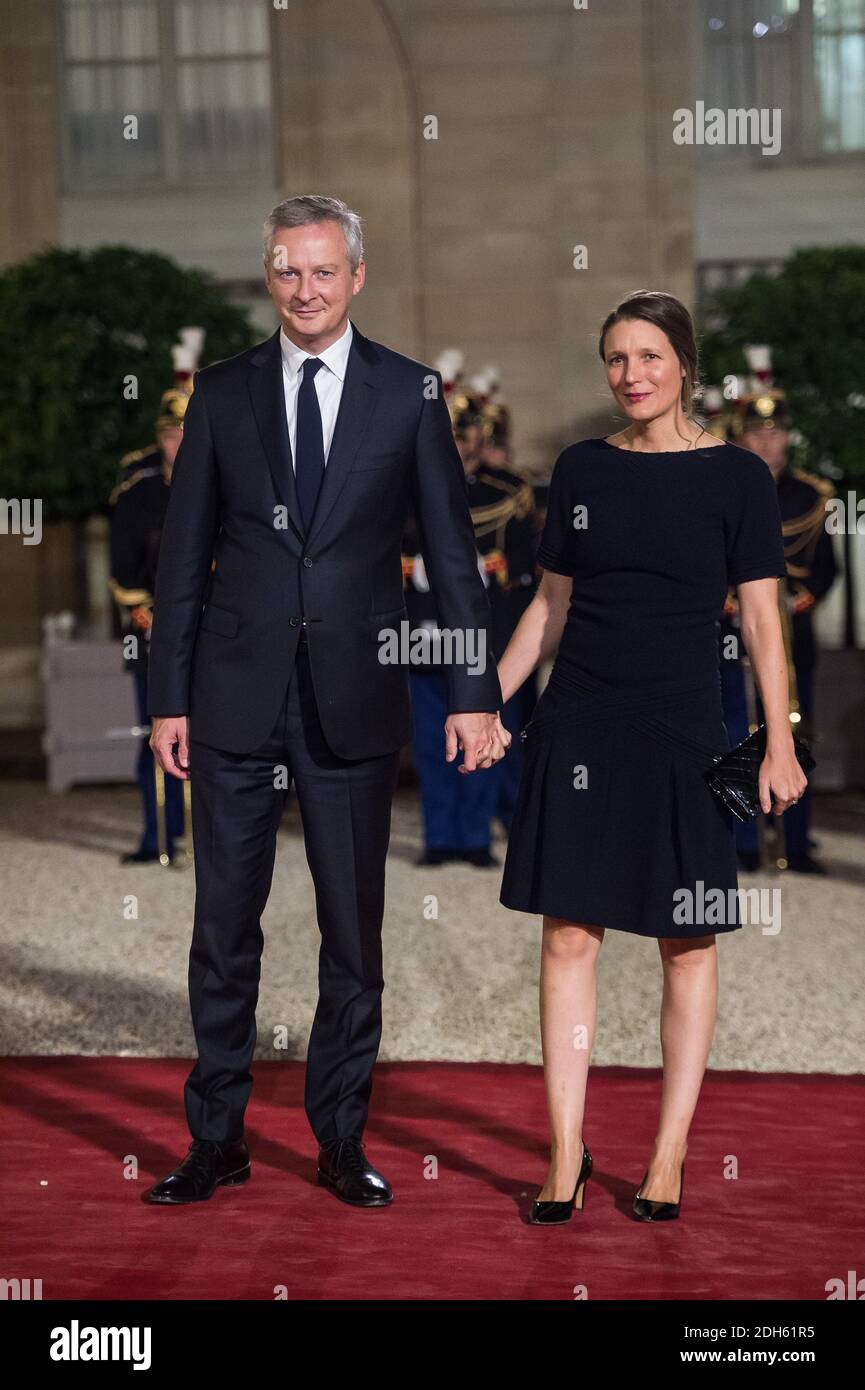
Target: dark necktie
<point>309,442</point>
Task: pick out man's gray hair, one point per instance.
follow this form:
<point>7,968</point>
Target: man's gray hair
<point>313,207</point>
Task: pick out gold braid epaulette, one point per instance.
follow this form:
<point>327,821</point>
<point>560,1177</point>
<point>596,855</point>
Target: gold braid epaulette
<point>519,503</point>
<point>486,519</point>
<point>825,486</point>
<point>132,457</point>
<point>801,533</point>
<point>524,502</point>
<point>129,598</point>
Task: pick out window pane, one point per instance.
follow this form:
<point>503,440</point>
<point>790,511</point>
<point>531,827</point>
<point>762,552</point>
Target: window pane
<point>839,14</point>
<point>840,70</point>
<point>224,116</point>
<point>98,98</point>
<point>205,27</point>
<point>110,28</point>
<point>749,58</point>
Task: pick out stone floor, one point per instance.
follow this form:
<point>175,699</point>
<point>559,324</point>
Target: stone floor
<point>81,974</point>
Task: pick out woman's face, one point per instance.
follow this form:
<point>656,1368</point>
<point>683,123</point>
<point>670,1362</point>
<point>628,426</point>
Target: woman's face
<point>643,371</point>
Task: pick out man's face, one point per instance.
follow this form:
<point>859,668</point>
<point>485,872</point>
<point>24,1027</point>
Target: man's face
<point>169,442</point>
<point>309,279</point>
<point>468,443</point>
<point>770,445</point>
<point>496,455</point>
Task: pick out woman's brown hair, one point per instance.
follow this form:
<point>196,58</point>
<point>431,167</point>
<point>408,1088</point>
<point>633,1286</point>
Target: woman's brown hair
<point>669,314</point>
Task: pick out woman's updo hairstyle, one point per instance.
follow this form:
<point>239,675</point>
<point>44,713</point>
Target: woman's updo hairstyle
<point>669,314</point>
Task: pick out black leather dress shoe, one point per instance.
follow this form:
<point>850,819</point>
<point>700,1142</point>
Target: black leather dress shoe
<point>345,1170</point>
<point>434,857</point>
<point>804,864</point>
<point>141,856</point>
<point>205,1167</point>
<point>480,858</point>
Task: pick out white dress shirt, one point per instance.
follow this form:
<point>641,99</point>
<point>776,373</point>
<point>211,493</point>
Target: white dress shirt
<point>328,384</point>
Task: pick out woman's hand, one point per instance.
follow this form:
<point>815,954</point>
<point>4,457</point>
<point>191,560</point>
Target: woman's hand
<point>502,734</point>
<point>781,777</point>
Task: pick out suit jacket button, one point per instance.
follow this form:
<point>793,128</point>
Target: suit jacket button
<point>307,561</point>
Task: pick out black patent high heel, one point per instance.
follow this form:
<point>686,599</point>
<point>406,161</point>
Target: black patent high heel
<point>647,1210</point>
<point>553,1213</point>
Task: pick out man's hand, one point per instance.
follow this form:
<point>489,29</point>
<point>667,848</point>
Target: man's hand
<point>142,617</point>
<point>482,738</point>
<point>164,733</point>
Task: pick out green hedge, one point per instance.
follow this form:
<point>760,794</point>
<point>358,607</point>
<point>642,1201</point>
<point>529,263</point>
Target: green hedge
<point>812,314</point>
<point>73,325</point>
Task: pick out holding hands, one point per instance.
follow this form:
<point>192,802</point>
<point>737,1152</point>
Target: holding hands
<point>483,739</point>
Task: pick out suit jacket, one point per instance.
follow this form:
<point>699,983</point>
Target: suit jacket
<point>237,577</point>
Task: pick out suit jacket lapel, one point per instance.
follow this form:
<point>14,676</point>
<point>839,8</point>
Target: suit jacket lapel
<point>268,403</point>
<point>355,408</point>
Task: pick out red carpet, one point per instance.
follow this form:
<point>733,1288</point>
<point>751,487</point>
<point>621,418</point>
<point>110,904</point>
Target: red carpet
<point>792,1220</point>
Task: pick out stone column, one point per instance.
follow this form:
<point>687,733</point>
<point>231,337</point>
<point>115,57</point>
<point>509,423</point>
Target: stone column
<point>29,127</point>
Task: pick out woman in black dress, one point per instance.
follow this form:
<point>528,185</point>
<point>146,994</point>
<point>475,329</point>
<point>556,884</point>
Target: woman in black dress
<point>615,825</point>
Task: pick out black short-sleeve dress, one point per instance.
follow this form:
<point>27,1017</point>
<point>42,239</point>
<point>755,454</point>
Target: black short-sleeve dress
<point>615,825</point>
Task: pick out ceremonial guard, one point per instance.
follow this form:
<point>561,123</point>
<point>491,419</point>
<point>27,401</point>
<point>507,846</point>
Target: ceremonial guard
<point>138,504</point>
<point>458,810</point>
<point>760,421</point>
<point>518,522</point>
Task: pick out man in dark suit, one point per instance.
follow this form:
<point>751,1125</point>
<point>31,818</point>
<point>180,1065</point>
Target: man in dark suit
<point>278,595</point>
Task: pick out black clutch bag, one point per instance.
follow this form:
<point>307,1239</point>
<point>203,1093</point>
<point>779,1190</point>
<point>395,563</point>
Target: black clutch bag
<point>733,776</point>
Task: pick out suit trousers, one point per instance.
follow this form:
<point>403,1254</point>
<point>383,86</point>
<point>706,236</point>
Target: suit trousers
<point>237,804</point>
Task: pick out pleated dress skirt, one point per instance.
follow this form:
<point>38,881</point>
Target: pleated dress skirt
<point>615,825</point>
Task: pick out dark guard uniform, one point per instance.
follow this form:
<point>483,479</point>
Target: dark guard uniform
<point>515,521</point>
<point>458,810</point>
<point>139,503</point>
<point>811,571</point>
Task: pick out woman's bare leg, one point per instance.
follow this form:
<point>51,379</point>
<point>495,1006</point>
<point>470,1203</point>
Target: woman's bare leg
<point>688,1014</point>
<point>569,1005</point>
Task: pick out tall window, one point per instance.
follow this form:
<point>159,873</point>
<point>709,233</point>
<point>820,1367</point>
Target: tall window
<point>193,74</point>
<point>805,56</point>
<point>839,57</point>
